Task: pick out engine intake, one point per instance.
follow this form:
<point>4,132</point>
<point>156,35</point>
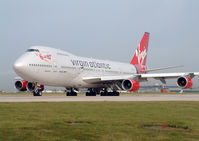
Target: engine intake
<point>21,85</point>
<point>33,87</point>
<point>184,82</point>
<point>130,85</point>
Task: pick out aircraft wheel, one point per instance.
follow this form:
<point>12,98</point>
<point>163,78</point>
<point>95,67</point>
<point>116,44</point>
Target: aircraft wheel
<point>116,94</point>
<point>71,94</point>
<point>37,93</point>
<point>105,94</point>
<point>87,94</point>
<point>67,94</point>
<point>74,94</point>
<point>102,94</point>
<point>110,94</point>
<point>90,94</point>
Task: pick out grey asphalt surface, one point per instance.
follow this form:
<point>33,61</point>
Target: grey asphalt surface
<point>62,98</point>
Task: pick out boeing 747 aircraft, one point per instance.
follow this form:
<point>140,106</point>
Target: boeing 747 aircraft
<point>41,66</point>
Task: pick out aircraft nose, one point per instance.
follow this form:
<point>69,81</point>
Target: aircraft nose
<point>19,66</point>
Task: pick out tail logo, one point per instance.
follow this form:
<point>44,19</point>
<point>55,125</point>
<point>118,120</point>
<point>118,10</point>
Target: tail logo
<point>141,54</point>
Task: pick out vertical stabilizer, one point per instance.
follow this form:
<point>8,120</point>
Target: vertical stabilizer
<point>140,56</point>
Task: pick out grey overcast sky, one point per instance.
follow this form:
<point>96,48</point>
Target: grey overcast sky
<point>106,29</point>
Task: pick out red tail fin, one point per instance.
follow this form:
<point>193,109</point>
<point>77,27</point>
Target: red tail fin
<point>139,58</point>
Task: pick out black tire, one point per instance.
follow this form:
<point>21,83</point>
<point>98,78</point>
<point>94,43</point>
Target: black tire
<point>74,94</point>
<point>67,94</point>
<point>87,94</point>
<point>34,94</point>
<point>91,94</point>
<point>37,94</point>
<point>110,94</point>
<point>102,94</point>
<point>71,94</point>
<point>117,94</point>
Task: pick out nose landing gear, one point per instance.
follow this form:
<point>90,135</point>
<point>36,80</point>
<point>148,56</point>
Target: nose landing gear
<point>39,93</point>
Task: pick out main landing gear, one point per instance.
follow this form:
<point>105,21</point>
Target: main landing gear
<point>91,92</point>
<point>71,93</point>
<point>114,93</point>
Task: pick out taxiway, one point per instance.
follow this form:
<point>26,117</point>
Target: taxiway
<point>61,98</point>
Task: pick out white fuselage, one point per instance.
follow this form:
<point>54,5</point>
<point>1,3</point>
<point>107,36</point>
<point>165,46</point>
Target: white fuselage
<point>66,70</point>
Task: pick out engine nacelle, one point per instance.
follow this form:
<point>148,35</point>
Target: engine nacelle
<point>41,87</point>
<point>130,85</point>
<point>33,87</point>
<point>184,82</point>
<point>21,85</point>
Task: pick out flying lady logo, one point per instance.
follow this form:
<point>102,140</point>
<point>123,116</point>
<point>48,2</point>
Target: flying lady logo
<point>141,54</point>
<point>46,57</point>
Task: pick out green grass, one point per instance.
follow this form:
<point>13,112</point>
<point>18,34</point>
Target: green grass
<point>98,121</point>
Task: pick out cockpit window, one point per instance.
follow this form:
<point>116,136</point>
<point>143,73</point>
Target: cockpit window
<point>32,50</point>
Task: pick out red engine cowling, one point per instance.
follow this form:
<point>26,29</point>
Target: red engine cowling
<point>130,85</point>
<point>41,87</point>
<point>184,82</point>
<point>21,85</point>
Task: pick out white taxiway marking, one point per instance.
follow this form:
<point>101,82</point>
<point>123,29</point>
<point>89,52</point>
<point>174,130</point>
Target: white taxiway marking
<point>140,97</point>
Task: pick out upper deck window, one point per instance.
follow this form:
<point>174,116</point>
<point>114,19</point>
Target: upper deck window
<point>62,54</point>
<point>32,50</point>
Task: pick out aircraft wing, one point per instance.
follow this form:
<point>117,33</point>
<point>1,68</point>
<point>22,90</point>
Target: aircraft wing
<point>98,79</point>
<point>160,76</point>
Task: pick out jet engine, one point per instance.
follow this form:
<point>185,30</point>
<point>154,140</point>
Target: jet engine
<point>184,82</point>
<point>21,85</point>
<point>34,87</point>
<point>130,85</point>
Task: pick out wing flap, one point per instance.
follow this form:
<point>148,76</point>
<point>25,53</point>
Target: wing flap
<point>106,78</point>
